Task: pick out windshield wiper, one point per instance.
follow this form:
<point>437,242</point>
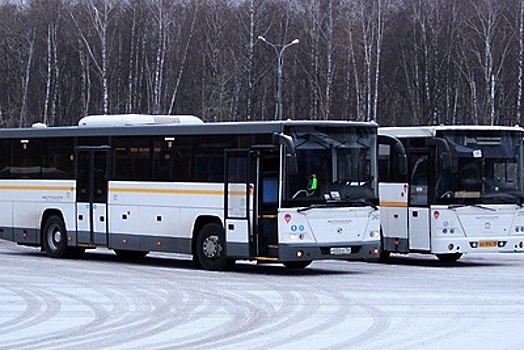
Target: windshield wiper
<point>314,206</point>
<point>361,202</point>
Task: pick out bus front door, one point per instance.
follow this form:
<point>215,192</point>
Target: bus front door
<point>238,203</point>
<point>419,221</point>
<point>91,195</point>
<point>265,226</point>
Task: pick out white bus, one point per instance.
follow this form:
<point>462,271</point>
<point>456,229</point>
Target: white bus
<point>289,192</point>
<point>463,191</point>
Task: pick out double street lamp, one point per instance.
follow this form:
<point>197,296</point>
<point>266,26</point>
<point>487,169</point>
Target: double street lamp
<point>279,50</point>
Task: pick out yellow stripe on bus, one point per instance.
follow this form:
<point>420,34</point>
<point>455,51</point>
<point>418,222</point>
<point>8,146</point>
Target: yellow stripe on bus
<point>174,191</point>
<point>394,204</point>
<point>118,189</point>
<point>38,188</point>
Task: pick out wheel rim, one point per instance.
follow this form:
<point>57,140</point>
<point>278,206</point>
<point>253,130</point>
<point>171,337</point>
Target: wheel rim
<point>211,247</point>
<point>54,237</point>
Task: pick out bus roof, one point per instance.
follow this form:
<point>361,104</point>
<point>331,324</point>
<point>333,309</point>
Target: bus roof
<point>432,131</point>
<point>254,127</point>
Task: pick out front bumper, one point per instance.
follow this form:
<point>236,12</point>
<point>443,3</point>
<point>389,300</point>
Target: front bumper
<point>306,252</point>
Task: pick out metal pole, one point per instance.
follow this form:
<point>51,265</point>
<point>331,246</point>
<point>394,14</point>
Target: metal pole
<point>280,67</point>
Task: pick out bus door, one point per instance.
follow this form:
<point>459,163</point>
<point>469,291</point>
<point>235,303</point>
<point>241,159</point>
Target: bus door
<point>92,164</point>
<point>266,208</point>
<point>419,213</point>
<point>238,202</point>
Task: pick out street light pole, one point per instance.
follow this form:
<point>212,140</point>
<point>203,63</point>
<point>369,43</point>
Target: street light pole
<point>280,62</point>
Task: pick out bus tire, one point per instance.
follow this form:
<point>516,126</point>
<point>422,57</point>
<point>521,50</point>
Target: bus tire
<point>130,254</point>
<point>383,254</point>
<point>297,264</point>
<point>55,237</point>
<point>210,248</point>
<point>449,258</point>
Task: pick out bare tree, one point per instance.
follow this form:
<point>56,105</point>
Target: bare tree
<point>371,15</point>
<point>99,12</point>
<point>182,65</point>
<point>26,77</point>
<point>490,51</point>
<point>52,76</point>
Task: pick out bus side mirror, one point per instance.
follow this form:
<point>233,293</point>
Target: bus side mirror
<point>291,158</point>
<point>402,161</point>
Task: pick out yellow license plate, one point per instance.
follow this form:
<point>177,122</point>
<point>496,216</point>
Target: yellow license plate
<point>488,244</point>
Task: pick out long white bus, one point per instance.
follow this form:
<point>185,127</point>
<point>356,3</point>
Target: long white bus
<point>289,192</point>
<point>463,191</point>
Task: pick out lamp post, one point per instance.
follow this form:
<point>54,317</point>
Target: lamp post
<point>280,61</point>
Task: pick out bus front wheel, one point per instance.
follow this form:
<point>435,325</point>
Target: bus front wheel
<point>449,258</point>
<point>210,248</point>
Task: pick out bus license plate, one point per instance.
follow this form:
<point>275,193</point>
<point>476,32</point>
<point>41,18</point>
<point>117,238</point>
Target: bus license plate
<point>340,251</point>
<point>488,244</point>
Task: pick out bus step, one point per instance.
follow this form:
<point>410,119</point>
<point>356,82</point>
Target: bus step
<point>265,259</point>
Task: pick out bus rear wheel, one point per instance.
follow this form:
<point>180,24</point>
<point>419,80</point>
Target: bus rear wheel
<point>210,248</point>
<point>449,258</point>
<point>55,238</point>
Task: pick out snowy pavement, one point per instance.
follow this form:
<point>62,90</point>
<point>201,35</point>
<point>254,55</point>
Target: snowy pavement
<point>160,302</point>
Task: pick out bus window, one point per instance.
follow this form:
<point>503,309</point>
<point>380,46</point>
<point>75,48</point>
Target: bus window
<point>5,153</point>
<point>27,159</point>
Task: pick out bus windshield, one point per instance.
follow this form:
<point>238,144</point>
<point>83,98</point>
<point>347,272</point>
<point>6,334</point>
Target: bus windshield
<point>486,168</point>
<point>335,165</point>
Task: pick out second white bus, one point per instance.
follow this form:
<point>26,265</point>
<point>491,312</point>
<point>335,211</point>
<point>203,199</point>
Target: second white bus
<point>463,191</point>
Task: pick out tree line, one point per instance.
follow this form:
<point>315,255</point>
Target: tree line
<point>398,62</point>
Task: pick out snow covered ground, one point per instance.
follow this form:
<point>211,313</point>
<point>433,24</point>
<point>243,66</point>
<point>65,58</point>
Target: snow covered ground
<point>101,302</point>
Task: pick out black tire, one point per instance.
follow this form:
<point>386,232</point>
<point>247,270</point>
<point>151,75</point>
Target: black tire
<point>449,258</point>
<point>210,251</point>
<point>383,255</point>
<point>130,254</point>
<point>297,264</point>
<point>54,236</point>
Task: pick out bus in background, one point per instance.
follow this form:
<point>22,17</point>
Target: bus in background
<point>463,191</point>
<point>289,192</point>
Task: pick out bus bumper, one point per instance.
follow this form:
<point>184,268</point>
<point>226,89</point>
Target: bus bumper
<point>350,251</point>
<point>500,244</point>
